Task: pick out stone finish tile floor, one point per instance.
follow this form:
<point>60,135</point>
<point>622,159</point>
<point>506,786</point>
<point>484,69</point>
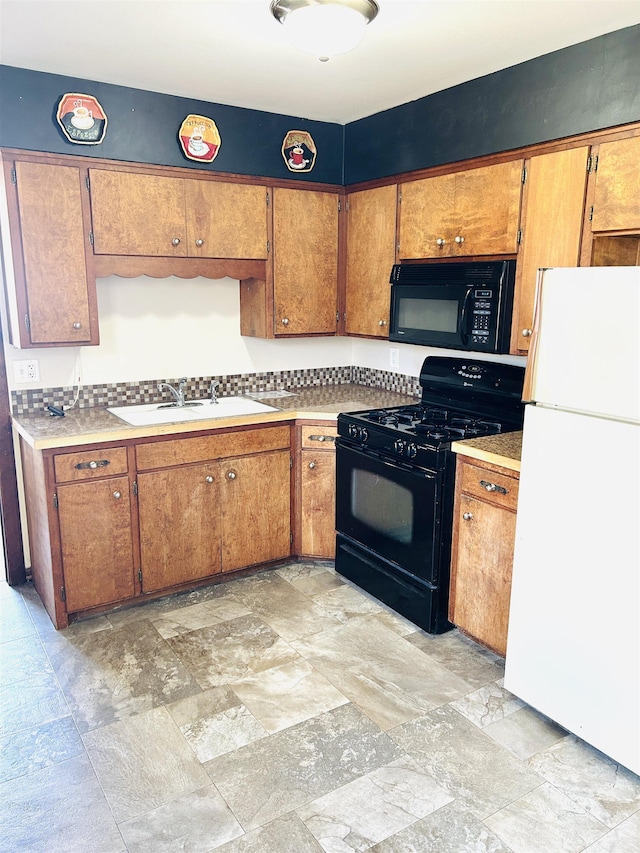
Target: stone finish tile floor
<point>285,712</point>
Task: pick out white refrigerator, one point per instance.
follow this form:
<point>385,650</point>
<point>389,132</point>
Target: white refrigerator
<point>573,649</point>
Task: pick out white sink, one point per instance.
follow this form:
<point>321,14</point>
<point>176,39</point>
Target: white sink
<point>149,414</point>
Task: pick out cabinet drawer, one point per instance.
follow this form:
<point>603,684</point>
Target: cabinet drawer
<point>319,437</point>
<point>90,464</point>
<point>489,485</point>
<point>183,451</point>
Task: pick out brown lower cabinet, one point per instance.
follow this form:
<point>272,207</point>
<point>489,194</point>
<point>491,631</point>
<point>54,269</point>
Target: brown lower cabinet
<point>316,490</point>
<point>109,524</point>
<point>484,525</point>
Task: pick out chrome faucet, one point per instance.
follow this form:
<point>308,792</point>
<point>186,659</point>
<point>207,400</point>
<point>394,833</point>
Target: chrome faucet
<point>214,391</point>
<point>178,393</point>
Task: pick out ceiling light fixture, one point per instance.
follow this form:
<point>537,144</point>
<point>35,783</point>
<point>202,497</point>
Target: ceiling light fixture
<point>325,28</point>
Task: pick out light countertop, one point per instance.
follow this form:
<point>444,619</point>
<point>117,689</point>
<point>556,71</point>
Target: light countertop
<point>504,449</point>
<point>94,425</point>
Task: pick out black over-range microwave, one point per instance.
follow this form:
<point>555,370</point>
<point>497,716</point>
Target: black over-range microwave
<point>454,305</point>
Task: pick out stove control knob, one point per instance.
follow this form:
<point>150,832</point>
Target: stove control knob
<point>353,431</point>
<point>399,445</point>
<point>412,450</point>
<point>363,434</point>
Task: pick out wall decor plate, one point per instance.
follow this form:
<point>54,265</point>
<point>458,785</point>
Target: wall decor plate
<point>299,151</point>
<point>82,119</point>
<point>199,138</point>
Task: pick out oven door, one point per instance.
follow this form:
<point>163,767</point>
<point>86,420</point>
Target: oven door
<point>391,508</point>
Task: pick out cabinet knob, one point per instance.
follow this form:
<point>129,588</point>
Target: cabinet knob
<point>208,479</point>
<point>440,242</point>
<point>77,325</point>
<point>175,241</point>
<point>382,322</point>
<point>199,243</point>
<point>467,516</point>
<point>526,333</point>
<point>231,475</point>
<point>459,240</point>
<point>312,465</point>
<point>285,321</point>
<point>117,495</point>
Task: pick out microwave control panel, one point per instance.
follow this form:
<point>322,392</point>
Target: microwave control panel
<point>483,311</point>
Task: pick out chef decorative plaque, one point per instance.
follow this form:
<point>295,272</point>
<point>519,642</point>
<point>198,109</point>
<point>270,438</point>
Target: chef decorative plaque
<point>199,138</point>
<point>299,151</point>
<point>82,119</point>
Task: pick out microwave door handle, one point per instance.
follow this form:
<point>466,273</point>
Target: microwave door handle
<point>465,317</point>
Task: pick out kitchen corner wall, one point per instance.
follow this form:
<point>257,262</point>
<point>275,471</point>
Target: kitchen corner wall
<point>152,328</point>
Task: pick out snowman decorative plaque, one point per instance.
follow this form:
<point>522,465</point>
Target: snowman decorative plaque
<point>299,151</point>
<point>199,138</point>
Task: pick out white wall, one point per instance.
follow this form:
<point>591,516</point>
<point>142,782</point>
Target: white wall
<point>154,328</point>
<point>165,328</point>
<point>376,355</point>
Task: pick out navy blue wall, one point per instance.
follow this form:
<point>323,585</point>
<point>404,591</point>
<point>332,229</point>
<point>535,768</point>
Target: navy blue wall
<point>585,87</point>
<point>143,128</point>
<point>588,86</point>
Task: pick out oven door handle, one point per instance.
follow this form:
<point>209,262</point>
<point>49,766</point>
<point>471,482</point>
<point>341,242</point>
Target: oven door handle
<point>465,317</point>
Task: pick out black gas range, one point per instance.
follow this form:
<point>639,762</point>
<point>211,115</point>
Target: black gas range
<point>395,480</point>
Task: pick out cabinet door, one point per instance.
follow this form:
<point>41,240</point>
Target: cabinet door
<point>137,214</point>
<point>226,220</point>
<point>551,228</point>
<point>427,217</point>
<point>256,507</point>
<point>487,210</point>
<point>318,502</point>
<point>97,542</point>
<point>371,235</point>
<point>616,205</point>
<point>475,212</point>
<point>179,525</point>
<point>60,297</point>
<point>482,571</point>
<point>305,262</point>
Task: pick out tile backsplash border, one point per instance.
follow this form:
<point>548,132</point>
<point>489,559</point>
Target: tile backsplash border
<point>33,400</point>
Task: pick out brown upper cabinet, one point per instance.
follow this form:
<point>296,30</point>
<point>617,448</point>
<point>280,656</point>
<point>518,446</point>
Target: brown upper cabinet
<point>616,203</point>
<point>153,215</point>
<point>472,212</point>
<point>612,226</point>
<point>551,228</point>
<point>51,287</point>
<point>371,236</point>
<point>299,295</point>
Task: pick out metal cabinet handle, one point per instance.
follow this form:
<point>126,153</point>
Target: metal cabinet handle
<point>322,438</point>
<point>208,479</point>
<point>459,240</point>
<point>285,321</point>
<point>382,322</point>
<point>199,243</point>
<point>526,333</point>
<point>95,463</point>
<point>493,487</point>
<point>117,495</point>
<point>175,241</point>
<point>467,516</point>
<point>77,325</point>
<point>440,242</point>
<point>231,475</point>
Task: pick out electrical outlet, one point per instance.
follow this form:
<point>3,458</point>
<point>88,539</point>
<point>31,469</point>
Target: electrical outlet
<point>394,357</point>
<point>26,371</point>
